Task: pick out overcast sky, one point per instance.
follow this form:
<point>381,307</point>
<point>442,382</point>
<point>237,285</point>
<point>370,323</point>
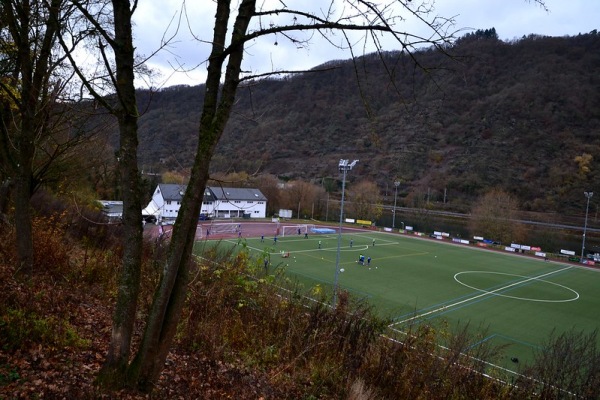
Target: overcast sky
<point>511,18</point>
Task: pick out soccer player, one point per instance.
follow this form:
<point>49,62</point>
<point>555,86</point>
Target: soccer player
<point>351,241</point>
<point>369,261</point>
<point>319,244</point>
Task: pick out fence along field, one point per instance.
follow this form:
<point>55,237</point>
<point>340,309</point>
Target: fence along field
<point>520,300</point>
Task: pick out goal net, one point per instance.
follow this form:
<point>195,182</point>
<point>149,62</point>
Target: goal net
<point>224,228</point>
<point>291,230</point>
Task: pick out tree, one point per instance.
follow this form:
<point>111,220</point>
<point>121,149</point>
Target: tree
<point>111,35</point>
<point>37,129</point>
<point>493,217</point>
<point>364,201</point>
<point>300,197</point>
<point>583,162</point>
<point>269,186</point>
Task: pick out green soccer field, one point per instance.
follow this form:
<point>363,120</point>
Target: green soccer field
<point>520,300</point>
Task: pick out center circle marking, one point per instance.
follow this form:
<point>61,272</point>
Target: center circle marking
<point>527,278</point>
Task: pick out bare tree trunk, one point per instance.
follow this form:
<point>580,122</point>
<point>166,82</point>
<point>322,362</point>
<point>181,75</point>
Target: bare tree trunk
<point>27,109</point>
<point>23,185</point>
<point>33,72</point>
<point>23,220</point>
<point>7,162</point>
<point>6,189</point>
<point>168,303</point>
<point>114,370</point>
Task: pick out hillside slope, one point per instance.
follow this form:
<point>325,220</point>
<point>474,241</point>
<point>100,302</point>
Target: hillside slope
<point>495,114</point>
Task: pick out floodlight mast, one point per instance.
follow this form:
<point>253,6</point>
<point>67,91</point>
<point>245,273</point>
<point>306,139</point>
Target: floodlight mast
<point>587,207</point>
<point>344,167</point>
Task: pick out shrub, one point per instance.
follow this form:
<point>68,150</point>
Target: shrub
<point>21,328</point>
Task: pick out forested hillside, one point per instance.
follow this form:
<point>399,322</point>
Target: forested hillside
<point>523,116</point>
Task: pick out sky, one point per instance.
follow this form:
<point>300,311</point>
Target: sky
<point>182,62</point>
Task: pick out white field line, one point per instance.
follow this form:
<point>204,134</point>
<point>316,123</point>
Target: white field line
<point>491,292</point>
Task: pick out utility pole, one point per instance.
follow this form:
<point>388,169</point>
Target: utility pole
<point>396,184</point>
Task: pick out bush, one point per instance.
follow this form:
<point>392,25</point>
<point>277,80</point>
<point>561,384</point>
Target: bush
<point>21,328</point>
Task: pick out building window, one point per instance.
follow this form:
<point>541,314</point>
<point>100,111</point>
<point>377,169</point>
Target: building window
<point>237,201</point>
<point>168,202</point>
<point>249,202</point>
<point>261,202</point>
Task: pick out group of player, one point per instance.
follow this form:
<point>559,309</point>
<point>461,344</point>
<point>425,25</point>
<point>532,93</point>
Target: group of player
<point>361,260</point>
<point>262,237</point>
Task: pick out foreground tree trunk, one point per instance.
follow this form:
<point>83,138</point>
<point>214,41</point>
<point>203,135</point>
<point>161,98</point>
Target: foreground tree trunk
<point>114,370</point>
<point>23,223</point>
<point>218,102</point>
<point>32,68</point>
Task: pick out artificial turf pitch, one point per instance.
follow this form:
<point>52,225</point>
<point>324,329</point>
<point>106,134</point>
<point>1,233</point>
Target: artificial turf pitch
<point>519,300</point>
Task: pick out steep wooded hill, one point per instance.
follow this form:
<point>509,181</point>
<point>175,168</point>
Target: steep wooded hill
<point>521,116</point>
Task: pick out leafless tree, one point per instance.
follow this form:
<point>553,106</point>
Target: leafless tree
<point>493,217</point>
<point>38,126</point>
<point>106,27</point>
<point>364,201</point>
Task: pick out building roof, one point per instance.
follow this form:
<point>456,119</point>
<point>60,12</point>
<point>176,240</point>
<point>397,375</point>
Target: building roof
<point>170,191</point>
<point>247,194</point>
<point>174,192</point>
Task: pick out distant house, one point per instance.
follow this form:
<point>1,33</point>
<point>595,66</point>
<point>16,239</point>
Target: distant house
<point>218,202</point>
<point>238,202</point>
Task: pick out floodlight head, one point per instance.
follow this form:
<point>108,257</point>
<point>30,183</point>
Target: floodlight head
<point>397,183</point>
<point>588,194</point>
<point>344,166</point>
